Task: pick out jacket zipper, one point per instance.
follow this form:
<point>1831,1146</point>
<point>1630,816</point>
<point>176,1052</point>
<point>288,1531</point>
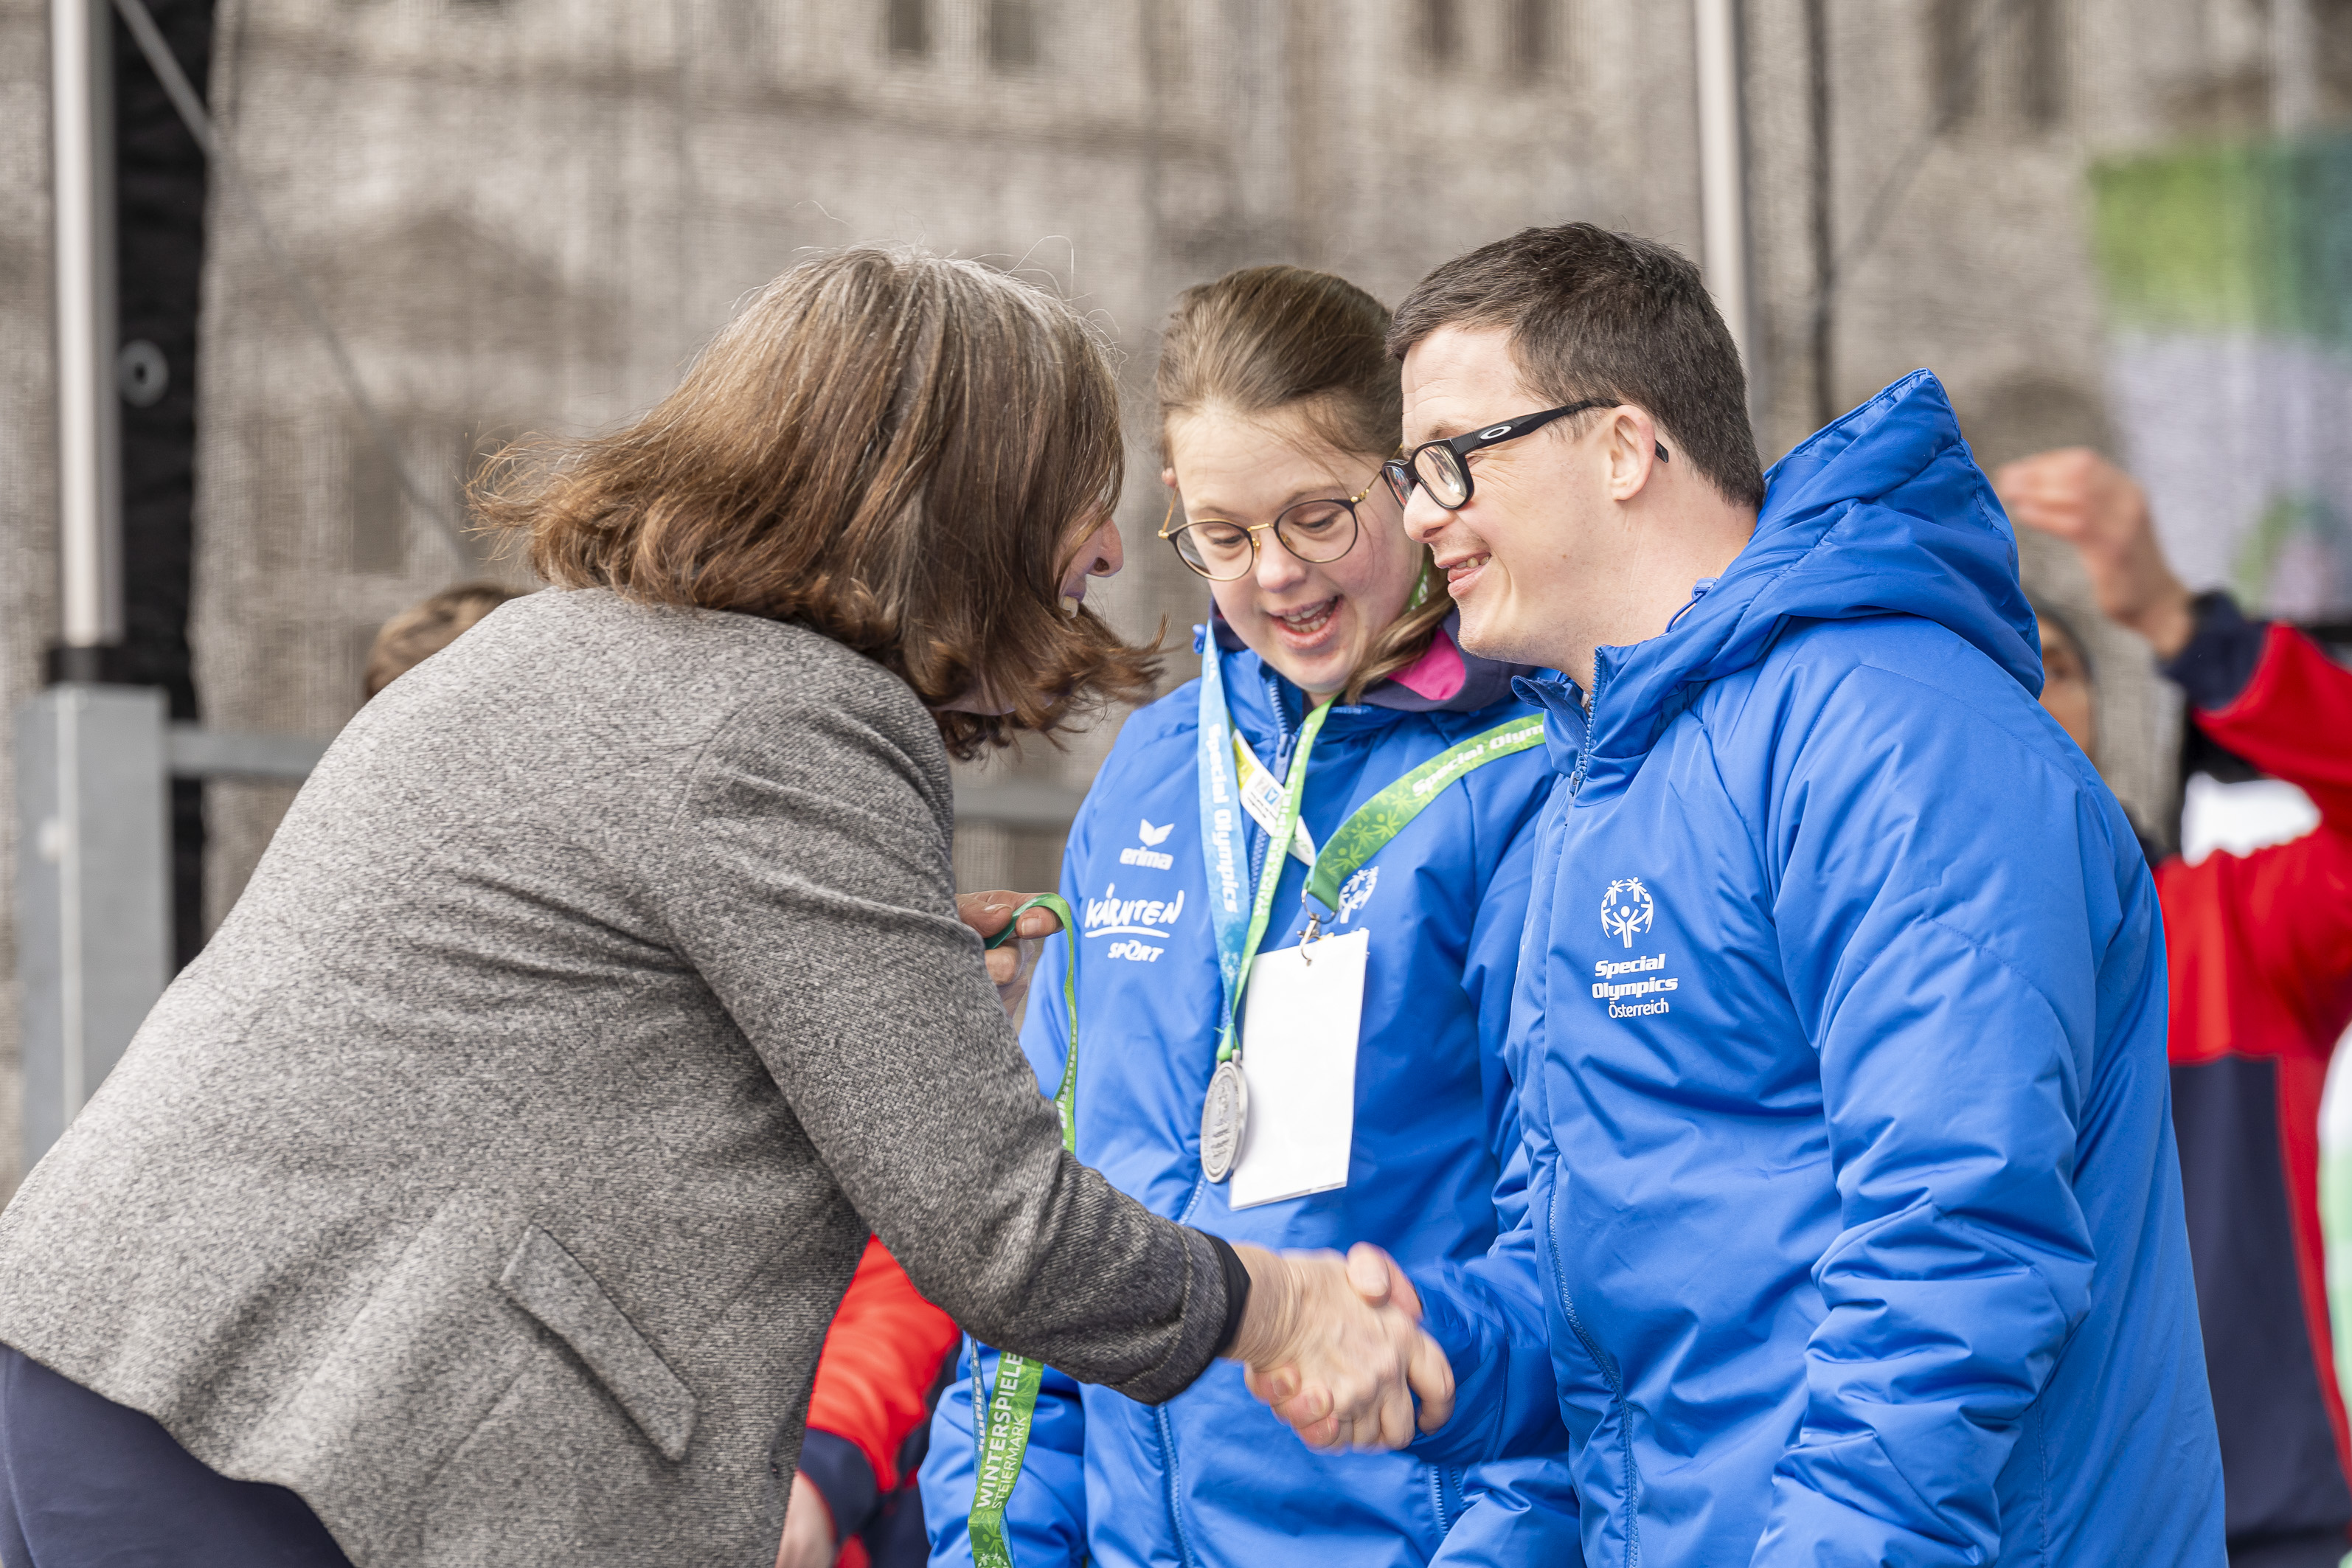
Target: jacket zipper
<point>1591,720</point>
<point>1551,1220</point>
<point>1283,733</point>
<point>1171,1482</point>
<point>1171,1486</point>
<point>1608,1371</point>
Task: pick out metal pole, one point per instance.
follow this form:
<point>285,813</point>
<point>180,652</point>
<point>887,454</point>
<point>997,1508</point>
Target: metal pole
<point>93,889</point>
<point>1825,275</point>
<point>2294,66</point>
<point>1723,168</point>
<point>90,491</point>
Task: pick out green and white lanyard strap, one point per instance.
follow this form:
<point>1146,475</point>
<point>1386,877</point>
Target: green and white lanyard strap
<point>1285,826</point>
<point>1379,819</point>
<point>1001,1422</point>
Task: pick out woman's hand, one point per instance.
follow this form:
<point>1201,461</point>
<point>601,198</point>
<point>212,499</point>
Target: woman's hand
<point>1336,1348</point>
<point>1010,965</point>
<point>808,1524</point>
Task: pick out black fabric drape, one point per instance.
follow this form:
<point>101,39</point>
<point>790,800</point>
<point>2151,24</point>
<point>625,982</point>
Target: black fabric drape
<point>159,251</point>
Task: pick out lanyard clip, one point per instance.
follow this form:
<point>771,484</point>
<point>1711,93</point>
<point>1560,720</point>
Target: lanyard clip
<point>1314,927</point>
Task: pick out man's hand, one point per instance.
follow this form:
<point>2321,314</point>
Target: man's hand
<point>1340,1369</point>
<point>808,1524</point>
<point>2080,497</point>
<point>1374,1275</point>
<point>1009,965</point>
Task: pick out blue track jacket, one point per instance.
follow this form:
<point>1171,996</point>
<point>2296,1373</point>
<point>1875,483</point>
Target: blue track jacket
<point>1211,1478</point>
<point>1851,1186</point>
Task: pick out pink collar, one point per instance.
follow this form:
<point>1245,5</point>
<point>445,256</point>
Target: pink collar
<point>1437,674</point>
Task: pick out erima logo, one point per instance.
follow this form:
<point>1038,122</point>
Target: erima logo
<point>1627,910</point>
<point>1148,855</point>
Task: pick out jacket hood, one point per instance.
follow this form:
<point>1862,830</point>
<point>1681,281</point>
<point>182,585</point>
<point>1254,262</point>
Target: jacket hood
<point>1883,512</point>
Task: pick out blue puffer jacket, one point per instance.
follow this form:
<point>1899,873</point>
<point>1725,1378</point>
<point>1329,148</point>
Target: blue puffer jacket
<point>1211,1478</point>
<point>1840,1022</point>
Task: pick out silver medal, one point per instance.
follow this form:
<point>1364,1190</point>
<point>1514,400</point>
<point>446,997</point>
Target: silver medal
<point>1223,1115</point>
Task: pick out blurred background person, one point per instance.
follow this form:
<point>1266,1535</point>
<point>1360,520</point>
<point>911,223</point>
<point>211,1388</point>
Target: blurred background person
<point>2259,947</point>
<point>855,1499</point>
<point>1332,639</point>
<point>427,626</point>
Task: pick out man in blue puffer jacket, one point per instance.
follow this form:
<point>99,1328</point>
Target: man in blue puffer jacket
<point>1852,1193</point>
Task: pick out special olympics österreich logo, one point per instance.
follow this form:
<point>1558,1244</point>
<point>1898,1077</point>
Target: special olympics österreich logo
<point>1627,909</point>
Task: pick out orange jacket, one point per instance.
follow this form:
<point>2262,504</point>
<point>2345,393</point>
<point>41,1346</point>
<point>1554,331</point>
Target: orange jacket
<point>874,1381</point>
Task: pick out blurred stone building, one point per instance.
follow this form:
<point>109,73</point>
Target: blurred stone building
<point>523,216</point>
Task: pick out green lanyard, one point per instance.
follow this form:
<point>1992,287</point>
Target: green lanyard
<point>1372,825</point>
<point>1224,1108</point>
<point>1001,1424</point>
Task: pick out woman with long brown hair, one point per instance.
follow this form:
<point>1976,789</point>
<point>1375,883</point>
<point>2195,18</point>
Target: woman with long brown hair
<point>483,1192</point>
<point>1340,810</point>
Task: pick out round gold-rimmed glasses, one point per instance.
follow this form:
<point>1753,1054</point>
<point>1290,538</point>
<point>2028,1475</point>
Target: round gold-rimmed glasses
<point>1316,532</point>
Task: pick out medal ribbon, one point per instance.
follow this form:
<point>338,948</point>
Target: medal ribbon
<point>1000,1425</point>
<point>1222,844</point>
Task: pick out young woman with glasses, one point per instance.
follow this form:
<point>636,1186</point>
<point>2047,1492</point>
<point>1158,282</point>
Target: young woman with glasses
<point>1329,684</point>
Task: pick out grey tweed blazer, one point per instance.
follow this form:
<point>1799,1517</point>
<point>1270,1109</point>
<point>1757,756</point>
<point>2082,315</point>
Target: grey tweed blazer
<point>491,1179</point>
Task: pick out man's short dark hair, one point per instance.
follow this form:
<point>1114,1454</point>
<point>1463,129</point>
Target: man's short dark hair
<point>1596,314</point>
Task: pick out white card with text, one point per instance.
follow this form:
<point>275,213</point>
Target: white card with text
<point>1301,1018</point>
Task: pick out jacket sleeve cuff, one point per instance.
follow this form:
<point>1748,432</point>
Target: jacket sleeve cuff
<point>1443,1320</point>
<point>1204,1328</point>
<point>839,1471</point>
<point>1237,1290</point>
<point>2220,656</point>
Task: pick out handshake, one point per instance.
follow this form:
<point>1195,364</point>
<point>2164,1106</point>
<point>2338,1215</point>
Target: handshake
<point>1334,1347</point>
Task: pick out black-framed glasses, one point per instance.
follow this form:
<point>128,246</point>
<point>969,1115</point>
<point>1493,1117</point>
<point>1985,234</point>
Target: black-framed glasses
<point>1316,532</point>
<point>1443,468</point>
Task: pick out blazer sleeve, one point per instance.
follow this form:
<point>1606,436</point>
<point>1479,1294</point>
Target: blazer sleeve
<point>809,884</point>
<point>1045,1517</point>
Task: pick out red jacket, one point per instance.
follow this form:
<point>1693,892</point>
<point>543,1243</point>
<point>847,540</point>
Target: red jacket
<point>2260,951</point>
<point>874,1382</point>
